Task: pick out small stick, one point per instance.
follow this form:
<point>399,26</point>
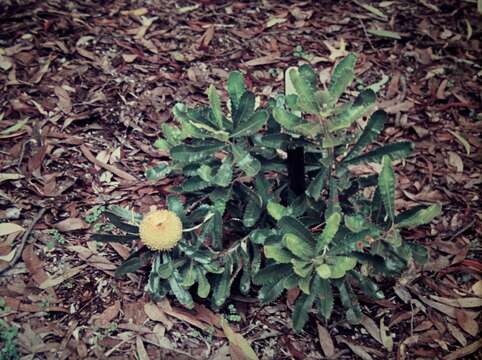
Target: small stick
<point>12,263</point>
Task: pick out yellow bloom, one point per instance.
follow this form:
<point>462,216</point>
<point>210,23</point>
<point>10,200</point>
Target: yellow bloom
<point>160,230</point>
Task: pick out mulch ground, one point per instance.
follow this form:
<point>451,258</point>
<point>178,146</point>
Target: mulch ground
<point>85,86</point>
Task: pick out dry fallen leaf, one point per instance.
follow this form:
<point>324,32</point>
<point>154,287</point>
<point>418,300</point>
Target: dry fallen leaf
<point>71,224</point>
<point>240,348</point>
<point>325,341</point>
<point>105,318</point>
<point>10,228</point>
<point>466,322</point>
<point>54,281</point>
<point>477,288</point>
<point>64,103</point>
<point>155,313</point>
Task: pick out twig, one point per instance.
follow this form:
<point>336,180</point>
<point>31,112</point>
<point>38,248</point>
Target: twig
<point>12,263</point>
<point>120,173</point>
<point>368,37</point>
<point>462,230</point>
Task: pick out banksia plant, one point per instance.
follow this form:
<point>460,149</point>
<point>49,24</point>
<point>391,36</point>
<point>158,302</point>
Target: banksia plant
<point>269,196</point>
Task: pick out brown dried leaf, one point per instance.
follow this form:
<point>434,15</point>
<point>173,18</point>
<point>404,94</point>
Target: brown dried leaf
<point>141,350</point>
<point>64,104</point>
<point>10,228</point>
<point>457,334</point>
<point>104,319</point>
<point>71,224</point>
<point>54,281</point>
<point>465,351</point>
<point>34,265</point>
<point>263,60</point>
<point>371,327</point>
<point>155,313</point>
<point>240,348</point>
<point>206,38</point>
<point>466,322</point>
<point>326,341</point>
<point>357,349</point>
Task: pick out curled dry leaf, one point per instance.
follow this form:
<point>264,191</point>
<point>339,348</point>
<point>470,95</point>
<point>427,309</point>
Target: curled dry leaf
<point>155,313</point>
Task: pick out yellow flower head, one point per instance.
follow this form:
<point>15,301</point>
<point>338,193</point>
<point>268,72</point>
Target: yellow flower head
<point>160,230</point>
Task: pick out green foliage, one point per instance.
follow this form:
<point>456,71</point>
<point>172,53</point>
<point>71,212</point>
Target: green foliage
<point>8,341</point>
<point>245,229</point>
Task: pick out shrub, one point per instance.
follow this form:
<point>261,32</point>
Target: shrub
<point>267,197</point>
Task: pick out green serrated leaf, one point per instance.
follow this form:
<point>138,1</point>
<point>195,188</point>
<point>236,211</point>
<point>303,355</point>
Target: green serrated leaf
<point>421,217</point>
<point>362,105</point>
<point>224,174</point>
<point>286,119</point>
<point>271,291</point>
<point>317,184</point>
<point>194,184</point>
<point>304,284</point>
<point>386,185</point>
<point>298,246</point>
<point>251,125</point>
<point>329,231</point>
<point>195,153</point>
<point>277,253</point>
<point>118,223</point>
<point>236,89</point>
<point>324,271</point>
<point>326,300</point>
<point>301,267</point>
<point>271,274</point>
<point>134,262</point>
<point>181,294</point>
<point>158,172</point>
<point>276,210</point>
<point>245,109</point>
<point>203,287</point>
<point>245,161</point>
<point>222,287</point>
<point>215,103</point>
<point>342,77</point>
<point>289,224</point>
<point>395,151</point>
<point>305,90</point>
<point>374,127</point>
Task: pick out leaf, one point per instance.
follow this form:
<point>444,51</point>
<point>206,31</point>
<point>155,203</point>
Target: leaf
<point>54,281</point>
<point>289,224</point>
<point>324,271</point>
<point>329,231</point>
<point>174,204</point>
<point>271,274</point>
<point>252,125</point>
<point>71,224</point>
<point>395,151</point>
<point>10,228</point>
<point>276,210</point>
<point>158,172</point>
<point>181,294</point>
<point>374,127</point>
<point>326,341</point>
<point>134,262</point>
<point>421,217</point>
<point>118,223</point>
<point>342,77</point>
<point>203,287</point>
<point>362,105</point>
<point>194,184</point>
<point>215,103</point>
<point>253,208</point>
<point>326,300</point>
<point>300,314</point>
<point>373,10</point>
<point>305,90</point>
<point>236,89</point>
<point>286,119</point>
<point>462,140</point>
<point>271,291</point>
<point>244,110</point>
<point>224,174</point>
<point>278,253</point>
<point>298,246</point>
<point>245,161</point>
<point>385,34</point>
<point>10,176</point>
<point>222,287</point>
<point>124,239</point>
<point>195,153</point>
<point>317,184</point>
<point>239,346</point>
<point>386,184</point>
